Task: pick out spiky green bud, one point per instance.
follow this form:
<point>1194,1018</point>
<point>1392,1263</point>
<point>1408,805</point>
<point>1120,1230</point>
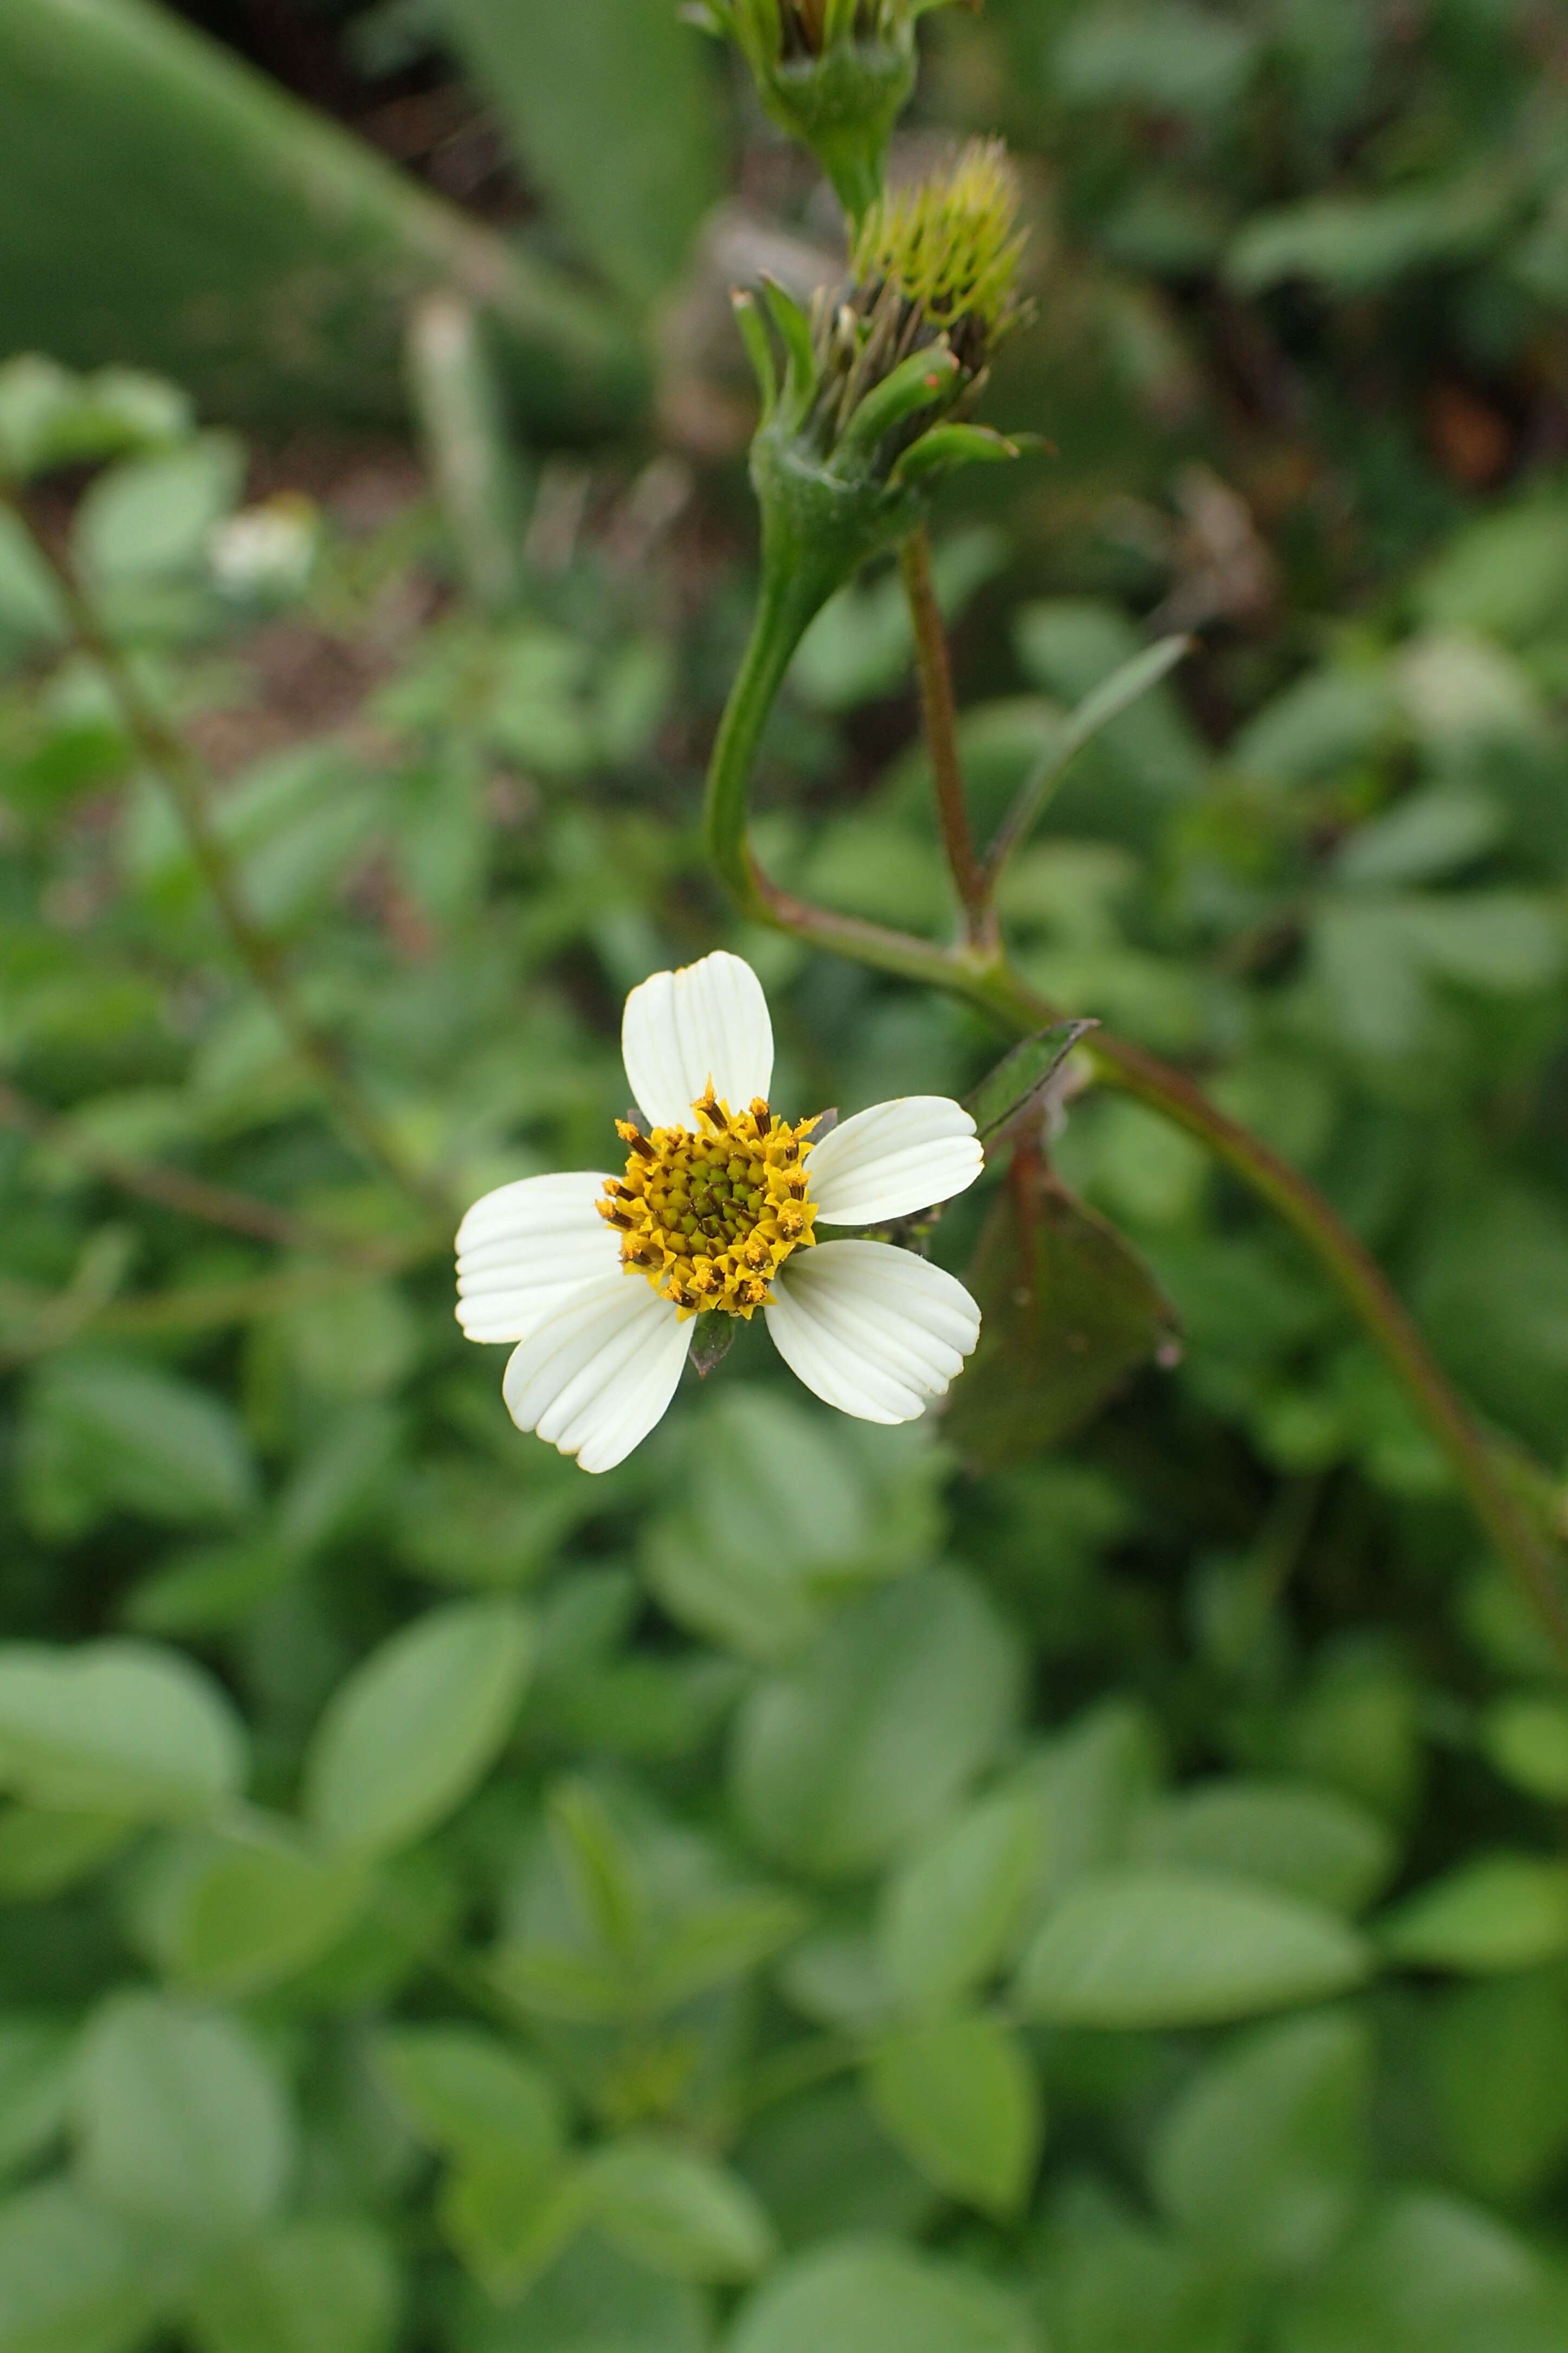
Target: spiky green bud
<point>877,382</point>
<point>834,74</point>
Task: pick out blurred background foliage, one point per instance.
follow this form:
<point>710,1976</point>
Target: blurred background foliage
<point>795,1891</point>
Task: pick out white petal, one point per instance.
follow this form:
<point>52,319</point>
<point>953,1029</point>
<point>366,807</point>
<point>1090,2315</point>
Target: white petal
<point>894,1158</point>
<point>874,1331</point>
<point>522,1250</point>
<point>708,1020</point>
<point>596,1375</point>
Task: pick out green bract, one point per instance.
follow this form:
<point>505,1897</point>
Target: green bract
<point>834,74</point>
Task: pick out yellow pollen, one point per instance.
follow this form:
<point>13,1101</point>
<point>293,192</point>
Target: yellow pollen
<point>710,1213</point>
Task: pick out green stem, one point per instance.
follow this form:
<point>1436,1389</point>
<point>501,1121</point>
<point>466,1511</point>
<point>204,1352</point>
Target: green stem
<point>980,977</point>
<point>169,757</point>
<point>940,710</point>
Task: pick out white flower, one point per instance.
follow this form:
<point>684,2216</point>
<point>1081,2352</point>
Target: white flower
<point>598,1279</point>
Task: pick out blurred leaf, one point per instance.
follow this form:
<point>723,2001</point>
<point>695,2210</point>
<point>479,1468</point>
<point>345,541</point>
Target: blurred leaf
<point>119,1727</point>
<point>1158,1949</point>
<point>1493,1912</point>
<point>1504,574</point>
<point>900,1700</point>
<point>49,417</point>
<point>1497,2060</point>
<point>105,1433</point>
<point>43,1851</point>
<point>141,158</point>
<point>823,2167</point>
<point>715,1942</point>
<point>1311,1841</point>
<point>676,2212</point>
<point>1177,58</point>
<point>315,2287</point>
<point>261,1908</point>
<point>150,517</point>
<point>509,2219</point>
<point>592,2300</point>
<point>950,1914</point>
<point>1353,244</point>
<point>1265,2152</point>
<point>1430,2275</point>
<point>873,2296</point>
<point>961,2099</point>
<point>183,2124</point>
<point>1068,1314</point>
<point>417,1726</point>
<point>1426,833</point>
<point>1527,1741</point>
<point>862,645</point>
<point>470,2095</point>
<point>606,76</point>
<point>74,2279</point>
<point>37,2056</point>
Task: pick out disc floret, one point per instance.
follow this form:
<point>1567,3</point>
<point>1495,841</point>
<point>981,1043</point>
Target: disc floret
<point>708,1214</point>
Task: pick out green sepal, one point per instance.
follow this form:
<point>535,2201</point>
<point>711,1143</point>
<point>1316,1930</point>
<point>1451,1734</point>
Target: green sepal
<point>800,374</point>
<point>954,445</point>
<point>760,352</point>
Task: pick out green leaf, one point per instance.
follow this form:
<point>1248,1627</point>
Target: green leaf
<point>1492,1913</point>
<point>509,2220</point>
<point>259,1910</point>
<point>1527,1741</point>
<point>872,2296</point>
<point>469,2094</point>
<point>105,1434</point>
<point>604,78</point>
<point>716,1941</point>
<point>592,2300</point>
<point>181,2122</point>
<point>152,519</point>
<point>117,1727</point>
<point>961,2099</point>
<point>43,1852</point>
<point>1311,1841</point>
<point>1430,2273</point>
<point>140,157</point>
<point>35,2058</point>
<point>676,2212</point>
<point>1496,2060</point>
<point>1265,2152</point>
<point>417,1726</point>
<point>1159,1948</point>
<point>901,1700</point>
<point>314,2287</point>
<point>949,1915</point>
<point>74,2279</point>
<point>1068,1311</point>
<point>1022,1075</point>
<point>49,417</point>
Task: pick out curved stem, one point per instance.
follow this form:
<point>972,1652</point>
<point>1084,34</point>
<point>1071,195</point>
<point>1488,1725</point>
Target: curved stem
<point>981,978</point>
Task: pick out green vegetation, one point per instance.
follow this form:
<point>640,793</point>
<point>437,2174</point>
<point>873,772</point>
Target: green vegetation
<point>1084,1873</point>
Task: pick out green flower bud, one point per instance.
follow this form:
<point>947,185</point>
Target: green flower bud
<point>834,74</point>
<point>878,380</point>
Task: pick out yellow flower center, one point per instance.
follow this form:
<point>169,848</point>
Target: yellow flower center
<point>709,1215</point>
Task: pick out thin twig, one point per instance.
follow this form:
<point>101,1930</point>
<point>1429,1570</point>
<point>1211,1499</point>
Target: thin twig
<point>172,1188</point>
<point>940,713</point>
<point>174,763</point>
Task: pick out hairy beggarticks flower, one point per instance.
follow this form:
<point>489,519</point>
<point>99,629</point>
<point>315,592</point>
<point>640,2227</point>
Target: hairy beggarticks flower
<point>834,74</point>
<point>598,1279</point>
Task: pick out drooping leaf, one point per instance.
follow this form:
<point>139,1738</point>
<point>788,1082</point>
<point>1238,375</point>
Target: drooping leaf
<point>1022,1075</point>
<point>1068,1311</point>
